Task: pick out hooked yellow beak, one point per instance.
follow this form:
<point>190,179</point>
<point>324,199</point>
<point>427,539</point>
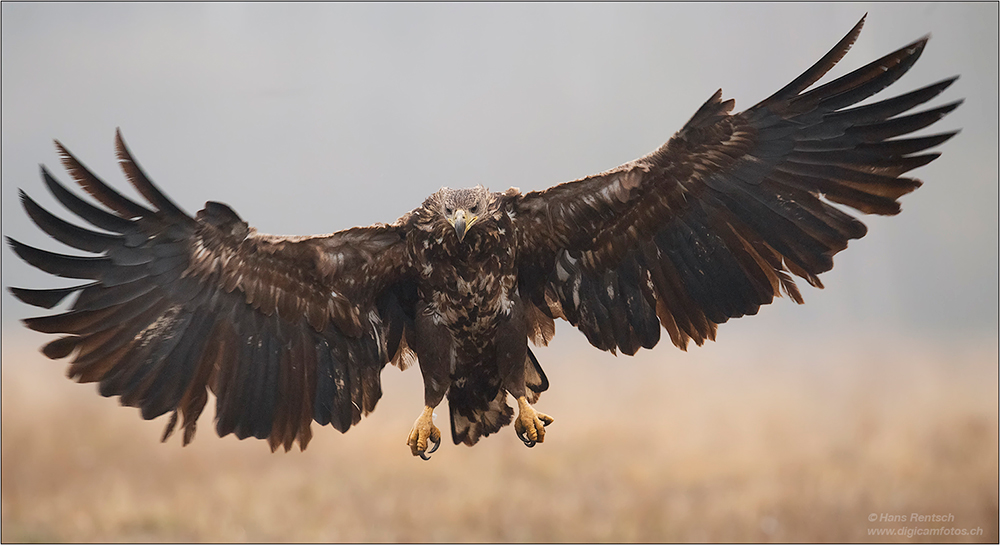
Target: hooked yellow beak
<point>461,221</point>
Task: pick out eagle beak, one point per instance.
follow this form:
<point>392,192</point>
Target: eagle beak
<point>460,225</point>
<point>461,222</point>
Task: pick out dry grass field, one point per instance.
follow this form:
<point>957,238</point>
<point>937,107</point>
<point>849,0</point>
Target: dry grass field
<point>734,442</point>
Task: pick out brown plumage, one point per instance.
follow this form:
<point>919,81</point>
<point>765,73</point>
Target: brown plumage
<point>287,330</point>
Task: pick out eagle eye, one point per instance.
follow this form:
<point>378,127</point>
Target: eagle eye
<point>474,209</point>
<point>448,210</point>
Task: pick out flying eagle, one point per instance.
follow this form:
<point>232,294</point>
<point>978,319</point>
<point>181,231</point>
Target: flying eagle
<point>287,330</point>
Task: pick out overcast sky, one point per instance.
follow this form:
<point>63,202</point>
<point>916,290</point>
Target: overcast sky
<point>310,118</point>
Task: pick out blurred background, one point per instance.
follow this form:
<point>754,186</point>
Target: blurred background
<point>878,396</point>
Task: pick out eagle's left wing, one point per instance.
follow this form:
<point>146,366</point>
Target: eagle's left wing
<point>705,228</point>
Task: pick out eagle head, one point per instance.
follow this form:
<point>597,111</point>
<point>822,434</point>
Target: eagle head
<point>461,209</point>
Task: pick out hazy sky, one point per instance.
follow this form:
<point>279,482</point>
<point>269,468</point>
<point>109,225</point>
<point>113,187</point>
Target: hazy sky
<point>310,118</point>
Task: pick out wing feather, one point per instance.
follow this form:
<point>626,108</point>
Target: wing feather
<point>96,187</point>
<point>283,330</point>
<point>716,221</point>
<point>46,298</point>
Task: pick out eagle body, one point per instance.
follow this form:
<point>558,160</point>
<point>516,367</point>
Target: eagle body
<point>471,332</point>
<point>286,331</point>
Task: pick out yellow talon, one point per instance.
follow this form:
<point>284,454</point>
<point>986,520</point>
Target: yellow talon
<point>530,424</point>
<point>423,431</point>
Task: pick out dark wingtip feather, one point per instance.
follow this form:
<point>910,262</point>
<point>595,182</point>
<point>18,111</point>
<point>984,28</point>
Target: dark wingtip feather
<point>938,139</point>
<point>66,266</point>
<point>61,347</point>
<point>96,187</point>
<point>63,231</point>
<point>92,214</point>
<point>17,246</point>
<point>137,177</point>
<point>47,298</point>
<point>821,67</point>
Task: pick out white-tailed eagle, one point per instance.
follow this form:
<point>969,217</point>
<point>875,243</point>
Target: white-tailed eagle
<point>288,330</point>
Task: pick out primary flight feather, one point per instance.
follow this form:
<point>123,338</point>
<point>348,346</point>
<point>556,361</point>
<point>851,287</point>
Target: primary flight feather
<point>288,330</point>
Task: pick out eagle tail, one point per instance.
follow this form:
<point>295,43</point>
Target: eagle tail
<point>468,425</point>
<point>472,417</point>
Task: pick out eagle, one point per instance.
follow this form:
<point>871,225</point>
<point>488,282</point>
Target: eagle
<point>287,330</point>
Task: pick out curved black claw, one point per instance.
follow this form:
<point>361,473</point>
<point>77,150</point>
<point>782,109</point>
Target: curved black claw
<point>426,455</point>
<point>527,442</point>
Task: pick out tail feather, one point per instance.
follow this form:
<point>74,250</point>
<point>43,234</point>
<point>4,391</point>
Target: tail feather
<point>473,417</point>
<point>468,425</point>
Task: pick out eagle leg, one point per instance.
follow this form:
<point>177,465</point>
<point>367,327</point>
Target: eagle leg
<point>424,431</point>
<point>530,424</point>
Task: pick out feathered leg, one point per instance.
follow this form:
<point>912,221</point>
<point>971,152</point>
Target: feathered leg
<point>434,348</point>
<point>513,361</point>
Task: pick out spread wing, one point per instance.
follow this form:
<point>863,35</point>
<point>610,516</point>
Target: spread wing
<point>707,227</point>
<point>284,330</point>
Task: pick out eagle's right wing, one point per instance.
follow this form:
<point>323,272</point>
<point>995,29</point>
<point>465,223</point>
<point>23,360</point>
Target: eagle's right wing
<point>284,330</point>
